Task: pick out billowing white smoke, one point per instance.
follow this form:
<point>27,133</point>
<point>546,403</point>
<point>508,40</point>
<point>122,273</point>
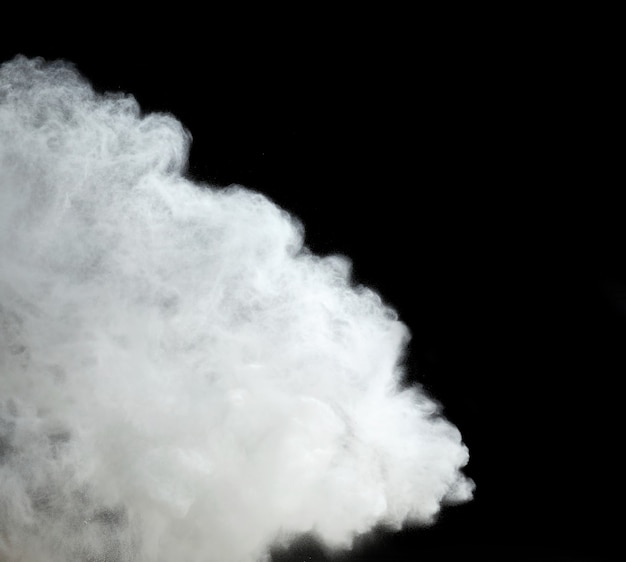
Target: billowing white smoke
<point>180,379</point>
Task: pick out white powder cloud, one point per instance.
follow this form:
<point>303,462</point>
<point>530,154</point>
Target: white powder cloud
<point>180,378</point>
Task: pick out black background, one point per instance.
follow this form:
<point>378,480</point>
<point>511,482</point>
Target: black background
<point>469,168</point>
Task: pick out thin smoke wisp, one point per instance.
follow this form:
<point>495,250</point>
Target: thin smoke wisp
<point>180,378</point>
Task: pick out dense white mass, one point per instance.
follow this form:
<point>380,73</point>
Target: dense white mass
<point>180,378</point>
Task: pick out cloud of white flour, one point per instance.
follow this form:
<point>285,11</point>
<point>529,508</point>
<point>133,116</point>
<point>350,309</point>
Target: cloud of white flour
<point>180,379</point>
